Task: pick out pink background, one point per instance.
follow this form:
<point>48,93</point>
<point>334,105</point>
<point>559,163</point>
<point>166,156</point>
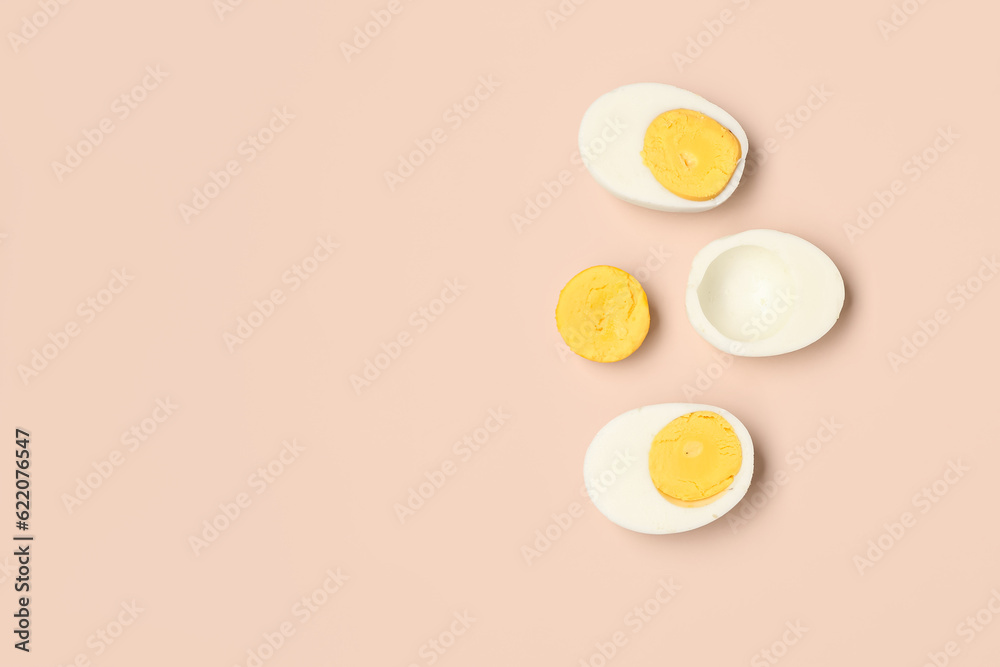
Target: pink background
<point>495,346</point>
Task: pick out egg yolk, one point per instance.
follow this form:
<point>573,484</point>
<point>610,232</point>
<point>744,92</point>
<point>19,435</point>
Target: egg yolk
<point>690,154</point>
<point>603,314</point>
<point>695,457</point>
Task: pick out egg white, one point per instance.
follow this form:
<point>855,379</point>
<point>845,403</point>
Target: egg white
<point>737,283</point>
<point>616,472</point>
<point>611,139</point>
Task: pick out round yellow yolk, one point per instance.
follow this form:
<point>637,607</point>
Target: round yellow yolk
<point>695,457</point>
<point>603,314</point>
<point>690,154</point>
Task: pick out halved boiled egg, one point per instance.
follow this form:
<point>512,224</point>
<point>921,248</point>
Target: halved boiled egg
<point>763,292</point>
<point>662,147</point>
<point>669,468</point>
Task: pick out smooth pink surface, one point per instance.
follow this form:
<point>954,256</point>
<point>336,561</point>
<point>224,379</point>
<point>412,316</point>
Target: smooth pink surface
<point>495,346</point>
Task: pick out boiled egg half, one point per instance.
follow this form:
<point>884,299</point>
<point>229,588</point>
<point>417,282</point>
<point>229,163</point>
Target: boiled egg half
<point>669,468</point>
<point>662,147</point>
<point>763,292</point>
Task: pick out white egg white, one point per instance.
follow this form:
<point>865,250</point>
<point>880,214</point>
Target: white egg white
<point>763,292</point>
<point>611,139</point>
<point>616,472</point>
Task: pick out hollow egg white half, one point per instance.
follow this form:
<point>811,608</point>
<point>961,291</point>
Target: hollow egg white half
<point>611,142</point>
<point>763,292</point>
<point>616,472</point>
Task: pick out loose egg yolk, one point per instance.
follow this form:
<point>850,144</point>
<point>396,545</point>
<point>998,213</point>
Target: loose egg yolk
<point>695,457</point>
<point>690,154</point>
<point>603,314</point>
